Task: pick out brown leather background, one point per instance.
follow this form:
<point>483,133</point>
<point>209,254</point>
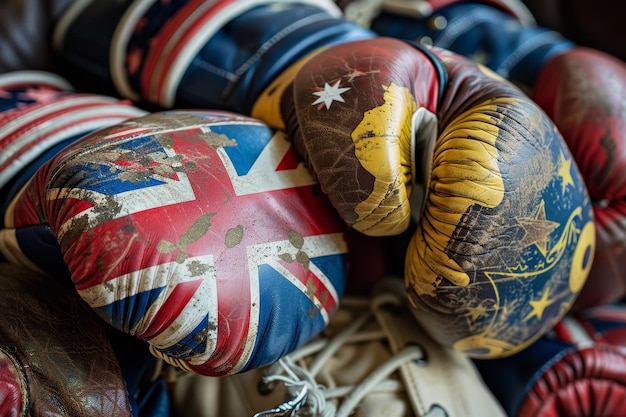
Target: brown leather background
<point>61,345</point>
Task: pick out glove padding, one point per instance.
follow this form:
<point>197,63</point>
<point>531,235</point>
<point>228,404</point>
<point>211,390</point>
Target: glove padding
<point>198,232</point>
<point>578,369</point>
<point>505,233</point>
<point>40,114</point>
<point>190,54</point>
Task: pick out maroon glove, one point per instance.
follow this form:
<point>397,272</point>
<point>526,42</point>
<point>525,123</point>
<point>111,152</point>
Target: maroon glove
<point>577,370</point>
<point>500,207</point>
<point>583,91</point>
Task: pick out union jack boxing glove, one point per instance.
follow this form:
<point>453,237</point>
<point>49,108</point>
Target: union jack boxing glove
<point>505,233</point>
<point>581,89</point>
<point>198,232</point>
<point>577,369</point>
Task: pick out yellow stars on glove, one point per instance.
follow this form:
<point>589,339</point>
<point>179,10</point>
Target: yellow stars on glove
<point>537,229</point>
<point>540,305</point>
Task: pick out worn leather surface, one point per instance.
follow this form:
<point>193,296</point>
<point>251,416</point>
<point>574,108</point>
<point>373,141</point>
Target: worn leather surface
<point>55,356</point>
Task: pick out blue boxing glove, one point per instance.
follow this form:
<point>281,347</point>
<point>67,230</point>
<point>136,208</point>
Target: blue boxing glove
<point>188,54</point>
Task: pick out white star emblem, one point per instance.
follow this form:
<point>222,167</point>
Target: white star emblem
<point>330,94</point>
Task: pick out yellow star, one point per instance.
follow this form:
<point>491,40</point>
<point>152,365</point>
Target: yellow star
<point>539,306</point>
<point>537,229</point>
<point>565,171</point>
<point>476,312</point>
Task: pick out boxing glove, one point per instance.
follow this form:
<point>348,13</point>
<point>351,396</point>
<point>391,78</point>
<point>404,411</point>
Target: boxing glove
<point>505,233</point>
<point>583,92</point>
<point>577,369</point>
<point>40,115</point>
<point>463,262</point>
<point>195,231</point>
<point>581,89</point>
<point>57,357</point>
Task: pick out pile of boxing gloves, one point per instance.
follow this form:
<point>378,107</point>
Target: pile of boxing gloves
<point>193,190</point>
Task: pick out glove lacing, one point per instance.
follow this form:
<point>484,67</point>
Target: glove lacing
<point>313,399</point>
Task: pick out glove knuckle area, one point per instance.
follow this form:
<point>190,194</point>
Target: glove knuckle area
<point>506,237</point>
<point>597,372</point>
<point>355,104</point>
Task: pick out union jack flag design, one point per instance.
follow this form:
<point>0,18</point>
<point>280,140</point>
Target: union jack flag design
<point>199,232</point>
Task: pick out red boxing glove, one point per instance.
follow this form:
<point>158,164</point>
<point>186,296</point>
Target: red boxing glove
<point>583,91</point>
<point>578,369</point>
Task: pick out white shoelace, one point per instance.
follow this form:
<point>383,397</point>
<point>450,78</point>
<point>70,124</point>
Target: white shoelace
<point>313,399</point>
